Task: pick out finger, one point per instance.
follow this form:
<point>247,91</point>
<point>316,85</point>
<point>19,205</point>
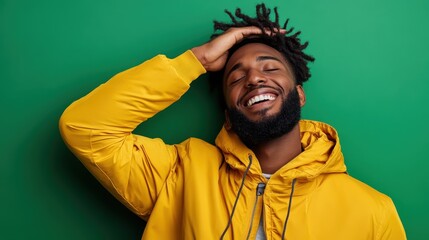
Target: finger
<point>246,31</point>
<point>252,30</point>
<point>281,30</point>
<point>276,30</point>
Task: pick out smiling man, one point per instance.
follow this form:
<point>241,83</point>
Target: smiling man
<point>270,175</point>
<point>263,104</point>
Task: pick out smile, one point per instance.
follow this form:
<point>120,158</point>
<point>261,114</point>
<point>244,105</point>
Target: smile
<point>260,98</point>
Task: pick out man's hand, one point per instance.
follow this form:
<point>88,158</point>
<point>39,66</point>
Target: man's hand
<point>213,54</point>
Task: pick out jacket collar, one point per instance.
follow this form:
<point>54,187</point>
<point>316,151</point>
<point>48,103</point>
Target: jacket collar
<point>322,153</point>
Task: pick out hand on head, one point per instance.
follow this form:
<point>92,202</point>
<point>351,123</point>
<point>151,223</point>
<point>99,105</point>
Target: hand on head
<point>213,54</point>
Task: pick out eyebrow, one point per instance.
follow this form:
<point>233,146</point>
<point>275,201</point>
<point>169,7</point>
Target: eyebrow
<point>258,59</point>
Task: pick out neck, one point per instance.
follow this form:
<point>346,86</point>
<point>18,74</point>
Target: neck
<point>276,153</point>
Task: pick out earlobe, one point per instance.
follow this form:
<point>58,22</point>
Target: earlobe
<point>301,94</point>
<point>227,124</point>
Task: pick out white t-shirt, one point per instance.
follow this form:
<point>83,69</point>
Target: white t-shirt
<point>260,235</point>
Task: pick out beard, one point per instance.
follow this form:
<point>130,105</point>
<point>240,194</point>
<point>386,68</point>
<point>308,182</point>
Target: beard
<point>253,133</point>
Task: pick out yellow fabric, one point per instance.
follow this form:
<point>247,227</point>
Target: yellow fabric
<point>187,191</point>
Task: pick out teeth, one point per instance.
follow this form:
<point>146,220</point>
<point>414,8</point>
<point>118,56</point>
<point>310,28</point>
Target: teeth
<point>259,98</point>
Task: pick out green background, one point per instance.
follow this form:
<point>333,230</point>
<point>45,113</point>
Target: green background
<point>370,81</point>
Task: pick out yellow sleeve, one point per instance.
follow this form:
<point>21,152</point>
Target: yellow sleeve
<point>391,225</point>
<point>98,128</point>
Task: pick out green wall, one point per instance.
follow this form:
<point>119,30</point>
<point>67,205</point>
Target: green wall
<point>370,81</point>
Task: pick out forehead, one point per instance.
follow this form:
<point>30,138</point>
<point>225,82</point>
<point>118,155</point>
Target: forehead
<point>250,52</point>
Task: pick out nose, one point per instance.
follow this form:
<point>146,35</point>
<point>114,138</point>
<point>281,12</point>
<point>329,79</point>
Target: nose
<point>254,78</point>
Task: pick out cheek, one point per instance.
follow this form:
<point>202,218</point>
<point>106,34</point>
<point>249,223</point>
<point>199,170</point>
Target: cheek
<point>231,97</point>
<point>286,84</point>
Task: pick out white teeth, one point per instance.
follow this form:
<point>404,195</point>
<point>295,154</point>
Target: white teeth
<point>259,98</point>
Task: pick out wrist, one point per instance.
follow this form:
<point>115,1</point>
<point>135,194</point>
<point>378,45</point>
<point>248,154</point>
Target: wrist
<point>199,54</point>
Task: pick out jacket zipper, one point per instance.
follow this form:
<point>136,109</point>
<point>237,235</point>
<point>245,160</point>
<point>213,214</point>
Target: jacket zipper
<point>259,191</point>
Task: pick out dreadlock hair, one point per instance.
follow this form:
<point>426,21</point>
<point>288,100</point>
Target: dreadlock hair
<point>288,43</point>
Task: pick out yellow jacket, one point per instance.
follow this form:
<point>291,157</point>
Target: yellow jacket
<point>195,190</point>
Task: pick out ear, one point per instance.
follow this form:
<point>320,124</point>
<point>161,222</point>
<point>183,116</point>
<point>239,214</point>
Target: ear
<point>228,125</point>
<point>301,94</point>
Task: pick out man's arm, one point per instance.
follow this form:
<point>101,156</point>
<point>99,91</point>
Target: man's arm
<point>391,227</point>
<point>98,127</point>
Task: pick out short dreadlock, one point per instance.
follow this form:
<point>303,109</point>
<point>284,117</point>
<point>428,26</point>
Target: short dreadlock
<point>288,44</point>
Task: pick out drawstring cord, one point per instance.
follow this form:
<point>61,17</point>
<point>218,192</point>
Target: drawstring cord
<point>259,191</point>
<point>288,208</point>
<point>236,199</point>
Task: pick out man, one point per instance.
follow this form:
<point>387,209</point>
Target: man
<point>270,174</point>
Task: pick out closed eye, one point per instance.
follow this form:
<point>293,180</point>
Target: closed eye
<point>271,69</point>
<point>237,80</point>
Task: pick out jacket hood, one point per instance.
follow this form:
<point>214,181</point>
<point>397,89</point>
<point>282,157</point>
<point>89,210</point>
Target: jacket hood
<point>322,152</point>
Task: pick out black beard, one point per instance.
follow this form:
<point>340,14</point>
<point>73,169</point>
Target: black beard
<point>269,127</point>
